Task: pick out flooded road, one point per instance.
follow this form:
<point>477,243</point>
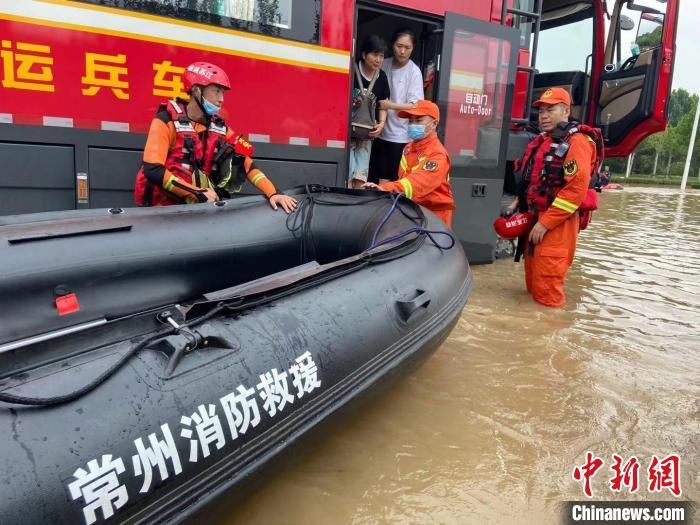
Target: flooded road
<point>491,427</point>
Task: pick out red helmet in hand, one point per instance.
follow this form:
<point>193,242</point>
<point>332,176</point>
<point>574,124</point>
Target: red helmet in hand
<point>513,226</point>
<point>203,74</point>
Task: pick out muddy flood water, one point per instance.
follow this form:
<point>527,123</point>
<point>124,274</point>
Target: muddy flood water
<point>490,429</point>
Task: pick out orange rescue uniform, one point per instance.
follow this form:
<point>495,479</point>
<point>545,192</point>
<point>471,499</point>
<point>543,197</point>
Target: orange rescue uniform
<point>424,177</point>
<point>546,266</point>
<point>160,142</point>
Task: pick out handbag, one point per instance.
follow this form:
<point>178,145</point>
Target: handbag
<point>364,108</point>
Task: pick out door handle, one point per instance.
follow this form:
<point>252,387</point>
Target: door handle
<point>415,307</point>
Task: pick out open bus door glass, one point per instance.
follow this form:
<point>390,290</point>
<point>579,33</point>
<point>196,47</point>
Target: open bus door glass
<point>636,83</point>
<point>475,94</point>
<point>475,91</point>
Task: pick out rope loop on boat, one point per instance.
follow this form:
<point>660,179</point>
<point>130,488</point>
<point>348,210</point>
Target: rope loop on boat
<point>418,230</point>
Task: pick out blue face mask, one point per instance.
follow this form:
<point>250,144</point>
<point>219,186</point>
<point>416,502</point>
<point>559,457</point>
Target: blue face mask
<point>209,108</point>
<point>416,131</point>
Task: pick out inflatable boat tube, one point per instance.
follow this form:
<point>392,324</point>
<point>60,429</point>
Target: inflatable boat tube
<point>152,359</point>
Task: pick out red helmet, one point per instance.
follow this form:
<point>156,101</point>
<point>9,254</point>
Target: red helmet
<point>203,74</point>
<point>514,226</point>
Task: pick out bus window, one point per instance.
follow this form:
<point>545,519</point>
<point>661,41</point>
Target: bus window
<point>292,19</point>
<point>564,47</point>
<point>636,80</point>
<point>564,52</point>
<point>645,35</point>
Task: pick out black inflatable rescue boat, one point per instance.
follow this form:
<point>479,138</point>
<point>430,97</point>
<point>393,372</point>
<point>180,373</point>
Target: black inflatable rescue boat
<point>151,359</point>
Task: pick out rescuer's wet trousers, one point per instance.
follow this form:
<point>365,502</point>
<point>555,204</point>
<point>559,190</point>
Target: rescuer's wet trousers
<point>546,265</point>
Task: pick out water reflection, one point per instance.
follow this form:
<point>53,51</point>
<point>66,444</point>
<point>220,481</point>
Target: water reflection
<point>489,430</point>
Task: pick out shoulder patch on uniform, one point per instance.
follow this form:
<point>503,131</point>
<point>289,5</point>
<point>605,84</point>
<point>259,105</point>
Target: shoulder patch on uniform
<point>430,165</point>
<point>570,168</point>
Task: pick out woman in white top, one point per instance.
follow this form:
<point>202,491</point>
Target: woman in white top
<point>406,86</point>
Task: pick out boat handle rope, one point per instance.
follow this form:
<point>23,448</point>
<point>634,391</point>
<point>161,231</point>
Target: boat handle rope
<point>65,398</point>
<point>422,231</point>
<point>418,229</point>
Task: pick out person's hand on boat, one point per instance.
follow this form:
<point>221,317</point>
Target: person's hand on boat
<point>211,195</point>
<point>537,233</point>
<point>371,186</point>
<point>287,203</point>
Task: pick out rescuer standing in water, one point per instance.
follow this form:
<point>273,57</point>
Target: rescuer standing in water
<point>556,170</point>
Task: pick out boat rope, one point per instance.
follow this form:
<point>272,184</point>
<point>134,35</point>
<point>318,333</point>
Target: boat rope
<point>299,221</point>
<point>230,307</point>
<point>428,233</point>
<point>388,214</point>
<point>59,400</point>
<point>418,230</point>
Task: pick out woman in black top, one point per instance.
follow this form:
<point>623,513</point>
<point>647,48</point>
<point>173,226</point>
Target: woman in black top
<point>372,57</point>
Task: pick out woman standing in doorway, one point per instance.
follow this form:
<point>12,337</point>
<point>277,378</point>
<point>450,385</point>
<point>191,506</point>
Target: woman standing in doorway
<point>372,57</point>
<point>406,86</point>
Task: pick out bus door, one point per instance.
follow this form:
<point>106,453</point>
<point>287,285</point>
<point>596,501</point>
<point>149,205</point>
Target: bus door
<point>476,69</point>
<point>635,85</point>
<point>430,56</point>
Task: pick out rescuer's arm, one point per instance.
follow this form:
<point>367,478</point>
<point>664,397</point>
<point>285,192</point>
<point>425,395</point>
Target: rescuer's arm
<point>161,136</point>
<point>258,179</point>
<point>432,172</point>
<point>578,164</point>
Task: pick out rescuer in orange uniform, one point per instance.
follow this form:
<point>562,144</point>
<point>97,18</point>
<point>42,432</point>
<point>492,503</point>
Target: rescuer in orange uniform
<point>192,156</point>
<point>424,170</point>
<point>557,168</point>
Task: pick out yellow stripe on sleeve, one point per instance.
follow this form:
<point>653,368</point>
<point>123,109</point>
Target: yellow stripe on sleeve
<point>565,205</point>
<point>407,188</point>
<point>257,178</point>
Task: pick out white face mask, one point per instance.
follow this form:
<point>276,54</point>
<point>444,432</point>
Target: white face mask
<point>416,131</point>
<point>209,108</point>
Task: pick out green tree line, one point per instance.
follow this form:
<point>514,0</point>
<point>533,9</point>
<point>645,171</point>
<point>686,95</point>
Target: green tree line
<point>662,155</point>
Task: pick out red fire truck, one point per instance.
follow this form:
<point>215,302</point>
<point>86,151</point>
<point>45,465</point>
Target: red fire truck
<point>81,80</point>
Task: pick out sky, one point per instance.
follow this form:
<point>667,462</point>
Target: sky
<point>687,65</point>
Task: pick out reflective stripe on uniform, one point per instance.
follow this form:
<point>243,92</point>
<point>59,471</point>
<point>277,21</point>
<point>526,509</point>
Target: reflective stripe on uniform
<point>419,164</point>
<point>168,184</point>
<point>403,163</point>
<point>407,187</point>
<point>565,205</point>
<point>175,105</point>
<point>257,178</point>
<point>227,169</point>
